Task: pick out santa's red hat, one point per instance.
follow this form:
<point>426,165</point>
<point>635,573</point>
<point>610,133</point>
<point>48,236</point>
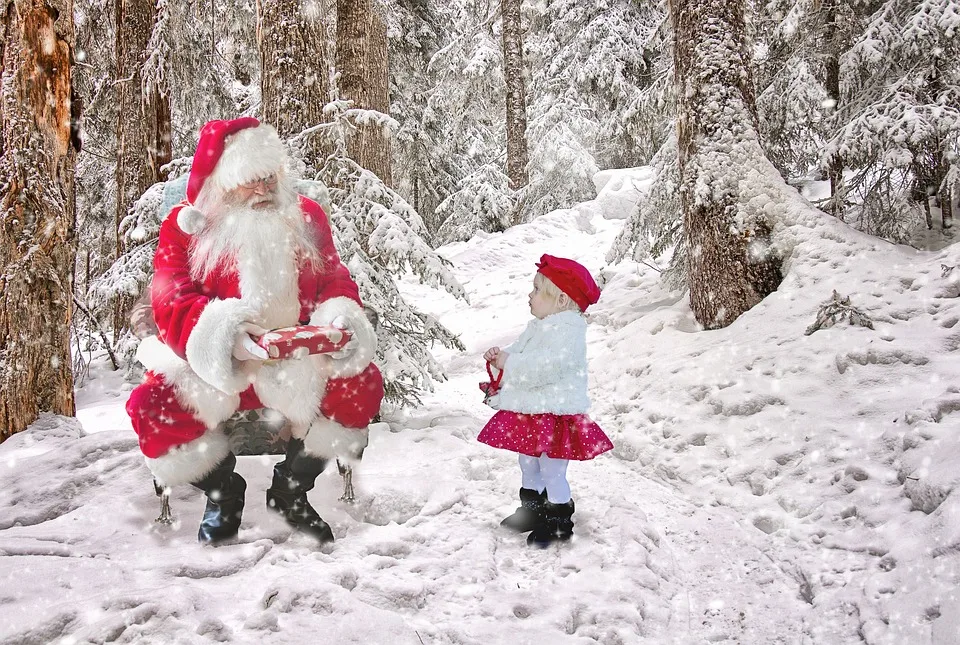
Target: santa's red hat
<point>230,153</point>
<point>572,278</point>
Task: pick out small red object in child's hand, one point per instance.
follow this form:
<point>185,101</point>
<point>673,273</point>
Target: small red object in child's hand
<point>300,341</point>
<point>492,386</point>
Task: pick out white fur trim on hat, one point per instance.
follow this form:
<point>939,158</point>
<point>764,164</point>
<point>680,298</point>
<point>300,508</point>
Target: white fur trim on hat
<point>210,346</point>
<point>191,220</point>
<point>364,336</point>
<point>192,461</point>
<point>329,439</point>
<point>250,154</point>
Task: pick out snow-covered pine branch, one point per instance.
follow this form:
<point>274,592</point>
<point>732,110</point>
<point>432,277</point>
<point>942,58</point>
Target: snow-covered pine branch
<point>596,94</point>
<point>655,226</point>
<point>482,203</point>
<point>379,236</point>
<point>899,120</point>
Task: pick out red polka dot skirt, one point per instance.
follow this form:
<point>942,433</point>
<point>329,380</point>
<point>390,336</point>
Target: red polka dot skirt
<point>561,436</point>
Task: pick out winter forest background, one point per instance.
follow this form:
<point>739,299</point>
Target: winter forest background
<point>429,124</point>
<point>418,123</point>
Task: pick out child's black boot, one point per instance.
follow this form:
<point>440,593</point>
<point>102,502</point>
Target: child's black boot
<point>556,524</point>
<point>526,517</point>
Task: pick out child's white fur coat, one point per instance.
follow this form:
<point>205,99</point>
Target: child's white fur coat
<point>546,370</point>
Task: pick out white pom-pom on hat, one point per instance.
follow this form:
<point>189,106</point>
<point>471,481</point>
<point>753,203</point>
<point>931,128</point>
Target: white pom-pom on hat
<point>191,220</point>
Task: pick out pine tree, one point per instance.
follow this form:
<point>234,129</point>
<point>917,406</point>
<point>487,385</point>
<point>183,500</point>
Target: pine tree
<point>798,80</point>
<point>599,79</point>
<point>295,77</point>
<point>898,124</point>
<point>483,203</point>
<point>37,155</point>
<point>96,194</point>
<point>378,236</point>
<point>463,110</point>
<point>421,172</point>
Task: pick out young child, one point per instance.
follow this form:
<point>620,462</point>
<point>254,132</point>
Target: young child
<point>542,400</point>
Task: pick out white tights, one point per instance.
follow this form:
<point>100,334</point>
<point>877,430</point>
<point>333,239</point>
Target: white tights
<point>545,472</point>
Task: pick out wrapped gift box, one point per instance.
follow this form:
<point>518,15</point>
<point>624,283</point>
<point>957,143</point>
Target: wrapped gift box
<point>296,342</point>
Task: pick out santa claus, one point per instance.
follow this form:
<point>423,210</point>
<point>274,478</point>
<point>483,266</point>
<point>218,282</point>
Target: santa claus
<point>243,256</point>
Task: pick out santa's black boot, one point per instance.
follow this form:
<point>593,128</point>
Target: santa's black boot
<point>224,489</point>
<point>292,478</point>
<point>556,524</point>
<point>526,516</point>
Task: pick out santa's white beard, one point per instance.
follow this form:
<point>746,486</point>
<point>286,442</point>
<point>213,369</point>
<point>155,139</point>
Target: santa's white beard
<point>264,245</point>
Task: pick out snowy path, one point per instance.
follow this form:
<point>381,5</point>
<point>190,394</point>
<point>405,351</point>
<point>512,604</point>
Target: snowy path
<point>420,557</point>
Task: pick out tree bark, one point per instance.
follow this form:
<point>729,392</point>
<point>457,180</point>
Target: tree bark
<point>364,78</point>
<point>513,73</point>
<point>37,157</point>
<point>143,121</point>
<point>729,266</point>
<point>832,39</point>
<point>295,76</point>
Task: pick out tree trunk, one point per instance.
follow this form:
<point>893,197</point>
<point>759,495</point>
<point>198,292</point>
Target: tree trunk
<point>513,73</point>
<point>832,40</point>
<point>295,77</point>
<point>364,78</point>
<point>143,120</point>
<point>946,208</point>
<point>37,251</point>
<point>729,265</point>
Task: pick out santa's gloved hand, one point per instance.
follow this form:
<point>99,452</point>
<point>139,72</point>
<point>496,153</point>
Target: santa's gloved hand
<point>340,323</point>
<point>245,348</point>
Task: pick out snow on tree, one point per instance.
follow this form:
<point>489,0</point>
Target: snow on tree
<point>483,203</point>
<point>595,98</point>
<point>379,235</point>
<point>422,171</point>
<point>731,265</point>
<point>898,125</point>
<point>797,65</point>
<point>467,102</point>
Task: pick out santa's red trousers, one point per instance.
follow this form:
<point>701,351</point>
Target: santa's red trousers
<point>161,422</point>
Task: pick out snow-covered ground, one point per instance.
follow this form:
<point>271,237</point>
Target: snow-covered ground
<point>767,486</point>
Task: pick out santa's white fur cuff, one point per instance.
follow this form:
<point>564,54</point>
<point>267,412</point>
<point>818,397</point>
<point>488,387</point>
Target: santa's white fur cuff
<point>210,346</point>
<point>357,324</point>
<point>211,405</point>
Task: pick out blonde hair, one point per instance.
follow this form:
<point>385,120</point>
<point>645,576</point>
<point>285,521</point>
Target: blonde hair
<point>553,291</point>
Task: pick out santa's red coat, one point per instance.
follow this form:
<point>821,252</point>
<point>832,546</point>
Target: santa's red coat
<point>194,384</point>
<point>178,301</point>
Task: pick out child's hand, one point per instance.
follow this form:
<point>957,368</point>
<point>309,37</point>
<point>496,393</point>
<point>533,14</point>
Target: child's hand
<point>500,361</point>
<point>491,354</point>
